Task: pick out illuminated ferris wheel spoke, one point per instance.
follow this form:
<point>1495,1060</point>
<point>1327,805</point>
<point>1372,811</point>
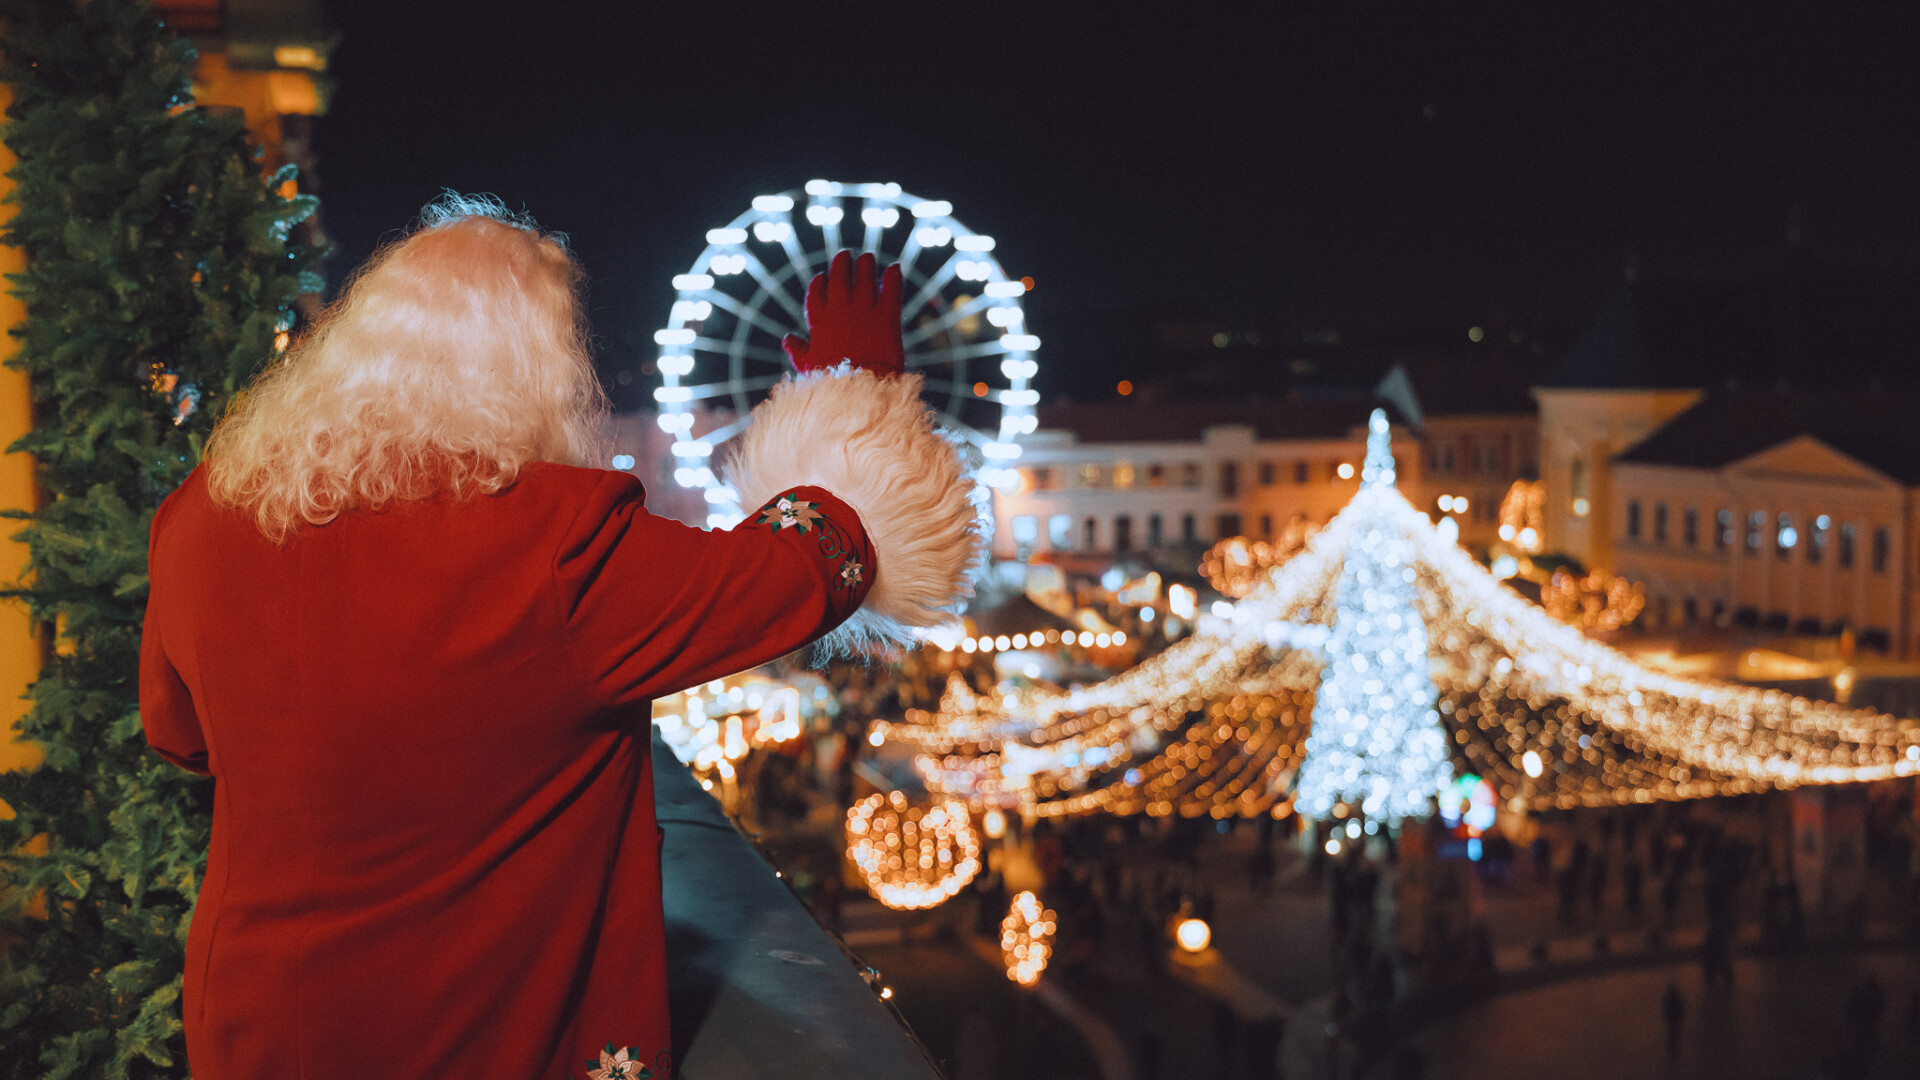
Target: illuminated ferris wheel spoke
<point>919,359</point>
<point>946,322</point>
<point>798,259</point>
<point>909,253</point>
<point>751,352</point>
<point>933,286</point>
<point>721,347</point>
<point>987,348</point>
<point>745,313</point>
<point>714,390</point>
<point>771,286</point>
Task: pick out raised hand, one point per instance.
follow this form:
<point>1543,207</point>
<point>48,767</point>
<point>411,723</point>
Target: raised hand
<point>851,317</point>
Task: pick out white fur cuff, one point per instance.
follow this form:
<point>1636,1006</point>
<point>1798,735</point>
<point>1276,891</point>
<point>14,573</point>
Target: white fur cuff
<point>873,443</point>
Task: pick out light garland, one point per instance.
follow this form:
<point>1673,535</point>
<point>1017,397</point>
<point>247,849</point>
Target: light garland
<point>913,858</point>
<point>1217,723</point>
<point>1235,565</point>
<point>1523,516</point>
<point>1595,601</point>
<point>715,725</point>
<point>1026,939</point>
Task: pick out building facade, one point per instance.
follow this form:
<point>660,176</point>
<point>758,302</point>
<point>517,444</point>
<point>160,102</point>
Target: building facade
<point>1581,431</point>
<point>1082,489</point>
<point>1813,533</point>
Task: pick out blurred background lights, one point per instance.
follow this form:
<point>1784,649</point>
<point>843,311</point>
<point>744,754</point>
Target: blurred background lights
<point>1194,935</point>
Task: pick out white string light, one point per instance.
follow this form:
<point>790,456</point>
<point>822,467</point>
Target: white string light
<point>1217,723</point>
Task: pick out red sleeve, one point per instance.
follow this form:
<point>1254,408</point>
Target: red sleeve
<point>655,606</point>
<point>166,708</point>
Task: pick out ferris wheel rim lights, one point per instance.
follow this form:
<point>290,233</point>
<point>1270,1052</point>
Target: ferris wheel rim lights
<point>771,221</point>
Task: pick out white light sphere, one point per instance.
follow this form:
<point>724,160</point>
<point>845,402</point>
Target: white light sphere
<point>1193,935</point>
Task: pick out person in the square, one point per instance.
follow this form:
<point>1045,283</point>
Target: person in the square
<point>414,632</point>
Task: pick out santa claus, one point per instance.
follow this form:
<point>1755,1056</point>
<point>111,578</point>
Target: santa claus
<point>413,633</point>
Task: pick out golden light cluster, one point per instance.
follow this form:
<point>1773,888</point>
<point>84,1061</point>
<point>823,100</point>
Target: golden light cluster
<point>1215,725</point>
<point>1523,516</point>
<point>1026,939</point>
<point>1594,601</point>
<point>713,726</point>
<point>1235,565</point>
<point>912,857</point>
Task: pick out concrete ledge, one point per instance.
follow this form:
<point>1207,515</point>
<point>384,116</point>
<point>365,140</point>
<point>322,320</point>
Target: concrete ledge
<point>757,988</point>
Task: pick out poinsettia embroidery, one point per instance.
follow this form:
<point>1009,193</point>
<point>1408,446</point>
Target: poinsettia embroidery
<point>620,1064</point>
<point>835,544</point>
<point>789,512</point>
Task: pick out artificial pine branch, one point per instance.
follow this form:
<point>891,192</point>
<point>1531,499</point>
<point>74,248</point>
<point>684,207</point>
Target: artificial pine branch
<point>158,269</point>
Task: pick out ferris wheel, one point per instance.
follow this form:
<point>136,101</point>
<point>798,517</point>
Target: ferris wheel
<point>963,323</point>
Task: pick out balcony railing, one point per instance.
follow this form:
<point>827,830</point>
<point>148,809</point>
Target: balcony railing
<point>757,988</point>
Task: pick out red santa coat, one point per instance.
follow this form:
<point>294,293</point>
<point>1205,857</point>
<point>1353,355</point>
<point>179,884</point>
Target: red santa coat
<point>434,851</point>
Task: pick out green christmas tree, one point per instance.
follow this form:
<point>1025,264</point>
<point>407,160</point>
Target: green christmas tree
<point>158,274</point>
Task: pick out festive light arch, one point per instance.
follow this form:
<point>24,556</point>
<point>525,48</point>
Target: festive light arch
<point>1026,938</point>
<point>913,857</point>
<point>1218,724</point>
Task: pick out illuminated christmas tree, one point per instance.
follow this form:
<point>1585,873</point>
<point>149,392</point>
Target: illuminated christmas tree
<point>1376,742</point>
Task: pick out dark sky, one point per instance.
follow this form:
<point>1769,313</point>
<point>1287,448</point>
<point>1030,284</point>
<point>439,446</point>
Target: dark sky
<point>1379,168</point>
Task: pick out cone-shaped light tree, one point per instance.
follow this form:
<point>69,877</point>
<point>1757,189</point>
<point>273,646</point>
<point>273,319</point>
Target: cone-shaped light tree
<point>1376,744</point>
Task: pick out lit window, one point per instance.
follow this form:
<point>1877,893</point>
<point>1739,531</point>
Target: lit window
<point>1026,530</point>
<point>1123,475</point>
<point>1723,532</point>
<point>1756,531</point>
<point>1060,531</point>
<point>1787,536</point>
<point>1817,538</point>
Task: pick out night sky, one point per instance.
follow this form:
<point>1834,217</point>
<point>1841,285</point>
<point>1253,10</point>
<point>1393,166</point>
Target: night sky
<point>1385,169</point>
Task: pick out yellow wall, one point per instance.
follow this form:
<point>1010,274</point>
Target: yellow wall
<point>19,637</point>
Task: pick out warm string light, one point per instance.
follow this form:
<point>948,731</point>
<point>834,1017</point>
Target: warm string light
<point>1595,601</point>
<point>1026,939</point>
<point>912,857</point>
<point>713,726</point>
<point>1523,516</point>
<point>1235,565</point>
<point>1548,716</point>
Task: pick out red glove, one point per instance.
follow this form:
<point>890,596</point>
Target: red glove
<point>851,318</point>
